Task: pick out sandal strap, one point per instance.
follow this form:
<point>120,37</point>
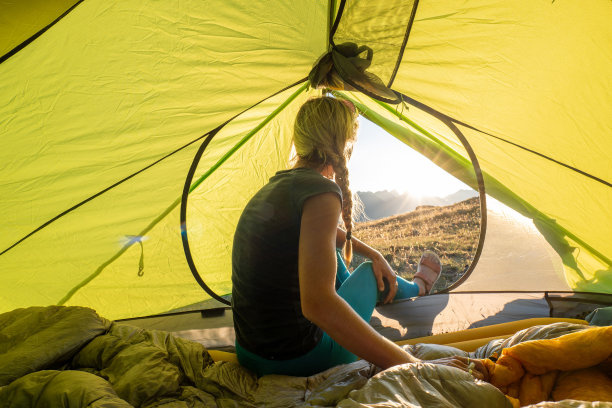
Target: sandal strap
<point>428,270</point>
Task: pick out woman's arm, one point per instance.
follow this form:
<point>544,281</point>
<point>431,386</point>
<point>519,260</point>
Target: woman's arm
<point>358,246</point>
<point>319,300</point>
<point>325,308</point>
<point>380,266</point>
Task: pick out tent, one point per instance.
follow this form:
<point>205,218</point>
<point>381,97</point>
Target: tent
<point>133,133</point>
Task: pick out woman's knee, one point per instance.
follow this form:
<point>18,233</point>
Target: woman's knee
<point>365,271</point>
<point>361,282</point>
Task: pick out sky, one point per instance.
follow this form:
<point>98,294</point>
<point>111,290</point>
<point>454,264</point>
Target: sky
<point>381,162</point>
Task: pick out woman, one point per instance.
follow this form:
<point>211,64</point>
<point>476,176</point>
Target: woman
<point>297,310</point>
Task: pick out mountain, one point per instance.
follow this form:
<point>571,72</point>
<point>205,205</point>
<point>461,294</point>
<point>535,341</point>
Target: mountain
<point>460,195</point>
<point>381,204</point>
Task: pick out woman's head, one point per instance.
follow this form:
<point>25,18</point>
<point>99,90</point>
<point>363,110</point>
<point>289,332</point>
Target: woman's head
<point>324,129</point>
<point>324,132</point>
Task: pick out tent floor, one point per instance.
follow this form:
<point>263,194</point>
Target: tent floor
<point>403,320</point>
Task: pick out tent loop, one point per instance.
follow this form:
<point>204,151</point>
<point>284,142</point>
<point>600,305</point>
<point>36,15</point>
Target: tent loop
<point>138,238</point>
<point>440,115</point>
<point>402,104</point>
<point>141,261</point>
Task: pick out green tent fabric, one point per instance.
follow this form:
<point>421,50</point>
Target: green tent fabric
<point>102,114</point>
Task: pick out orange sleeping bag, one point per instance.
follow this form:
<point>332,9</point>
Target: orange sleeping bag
<point>576,365</point>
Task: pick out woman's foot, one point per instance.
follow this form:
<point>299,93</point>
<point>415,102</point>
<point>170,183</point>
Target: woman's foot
<point>428,272</point>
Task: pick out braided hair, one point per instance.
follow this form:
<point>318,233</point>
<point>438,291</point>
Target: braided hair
<point>324,132</point>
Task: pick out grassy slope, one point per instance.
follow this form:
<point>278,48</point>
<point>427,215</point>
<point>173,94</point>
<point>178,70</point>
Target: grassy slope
<point>451,231</point>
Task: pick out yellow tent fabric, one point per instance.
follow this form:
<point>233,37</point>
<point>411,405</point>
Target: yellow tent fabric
<point>102,114</point>
<point>22,21</point>
<point>532,78</point>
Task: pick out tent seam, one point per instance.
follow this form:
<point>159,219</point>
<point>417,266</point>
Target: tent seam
<point>99,193</point>
<point>422,106</point>
<point>533,212</point>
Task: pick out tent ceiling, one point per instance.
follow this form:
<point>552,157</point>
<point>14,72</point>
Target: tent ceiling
<point>538,95</point>
<point>117,96</point>
<point>19,24</point>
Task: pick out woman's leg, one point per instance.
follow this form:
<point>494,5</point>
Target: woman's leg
<point>405,290</point>
<point>342,272</point>
<point>359,290</point>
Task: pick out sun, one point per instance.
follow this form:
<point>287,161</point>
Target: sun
<point>382,162</point>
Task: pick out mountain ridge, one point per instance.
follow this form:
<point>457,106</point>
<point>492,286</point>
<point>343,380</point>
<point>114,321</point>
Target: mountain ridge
<point>385,203</point>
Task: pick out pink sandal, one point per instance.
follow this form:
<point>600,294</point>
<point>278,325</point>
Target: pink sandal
<point>428,271</point>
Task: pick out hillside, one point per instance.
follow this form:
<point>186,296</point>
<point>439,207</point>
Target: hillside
<point>451,231</point>
<point>381,204</point>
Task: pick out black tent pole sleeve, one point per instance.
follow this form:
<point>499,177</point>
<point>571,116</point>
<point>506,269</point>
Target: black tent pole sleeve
<point>336,22</point>
<point>400,54</point>
<point>40,32</point>
<point>187,188</point>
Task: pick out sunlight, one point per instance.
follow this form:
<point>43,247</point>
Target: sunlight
<point>501,209</point>
<point>381,162</point>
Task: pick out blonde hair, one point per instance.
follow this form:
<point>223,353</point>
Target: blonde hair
<point>324,132</point>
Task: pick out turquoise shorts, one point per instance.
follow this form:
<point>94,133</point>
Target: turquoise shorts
<point>359,290</point>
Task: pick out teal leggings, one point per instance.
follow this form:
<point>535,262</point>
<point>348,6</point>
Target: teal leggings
<point>359,290</point>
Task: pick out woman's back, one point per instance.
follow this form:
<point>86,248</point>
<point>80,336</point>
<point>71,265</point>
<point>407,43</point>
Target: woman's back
<point>266,297</point>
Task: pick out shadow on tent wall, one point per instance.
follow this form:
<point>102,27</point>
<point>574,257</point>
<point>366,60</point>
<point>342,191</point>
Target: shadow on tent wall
<point>576,305</point>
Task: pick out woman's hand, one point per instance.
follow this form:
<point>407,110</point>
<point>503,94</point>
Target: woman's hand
<point>383,271</point>
<point>319,300</point>
<point>471,365</point>
<point>380,266</point>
